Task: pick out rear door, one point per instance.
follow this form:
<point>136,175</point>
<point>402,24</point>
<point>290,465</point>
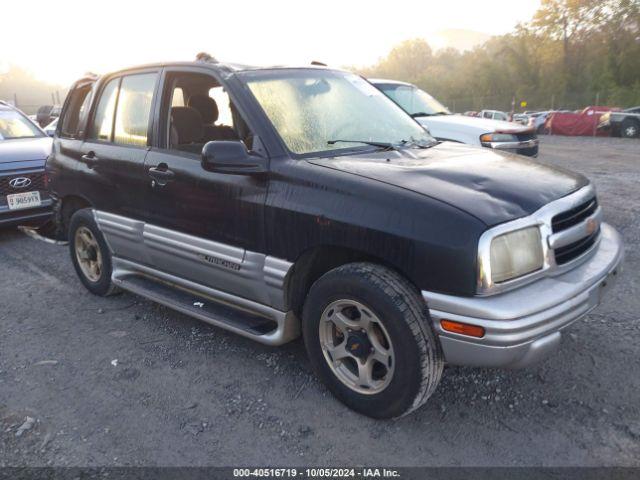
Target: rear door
<point>67,144</point>
<point>110,168</point>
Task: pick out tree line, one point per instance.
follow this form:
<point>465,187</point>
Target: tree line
<point>571,54</point>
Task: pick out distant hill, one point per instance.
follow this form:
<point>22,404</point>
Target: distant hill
<point>457,38</point>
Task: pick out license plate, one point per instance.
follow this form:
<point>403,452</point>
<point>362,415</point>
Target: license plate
<point>18,201</point>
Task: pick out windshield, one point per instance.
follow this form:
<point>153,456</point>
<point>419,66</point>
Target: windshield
<point>310,108</point>
<point>413,100</point>
<point>14,125</point>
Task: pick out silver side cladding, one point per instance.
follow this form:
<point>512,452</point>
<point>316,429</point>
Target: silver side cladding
<point>251,275</point>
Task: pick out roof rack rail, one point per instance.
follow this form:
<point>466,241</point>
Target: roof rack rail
<point>205,57</point>
<point>318,64</point>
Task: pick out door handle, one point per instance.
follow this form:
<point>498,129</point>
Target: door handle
<point>90,158</point>
<point>161,175</point>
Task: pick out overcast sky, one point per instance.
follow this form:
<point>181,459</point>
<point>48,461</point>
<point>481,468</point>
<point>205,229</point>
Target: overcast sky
<point>60,40</point>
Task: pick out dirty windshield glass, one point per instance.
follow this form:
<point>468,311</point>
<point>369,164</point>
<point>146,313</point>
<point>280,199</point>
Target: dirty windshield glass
<point>14,125</point>
<point>310,108</point>
<point>413,100</point>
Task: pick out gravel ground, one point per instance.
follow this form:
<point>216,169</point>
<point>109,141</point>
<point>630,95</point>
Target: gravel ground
<point>88,381</point>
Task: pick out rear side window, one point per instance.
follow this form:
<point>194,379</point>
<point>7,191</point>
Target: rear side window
<point>124,110</point>
<point>103,118</point>
<point>75,112</point>
<point>134,109</point>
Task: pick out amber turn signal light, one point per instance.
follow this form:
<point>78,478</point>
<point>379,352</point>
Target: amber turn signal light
<point>462,328</point>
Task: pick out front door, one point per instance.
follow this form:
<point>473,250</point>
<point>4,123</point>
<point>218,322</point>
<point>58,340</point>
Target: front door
<point>202,226</point>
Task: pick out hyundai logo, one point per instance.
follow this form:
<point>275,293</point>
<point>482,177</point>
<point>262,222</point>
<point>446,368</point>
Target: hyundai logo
<point>20,182</point>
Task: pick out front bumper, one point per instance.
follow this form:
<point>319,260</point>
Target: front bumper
<point>524,326</point>
<point>29,216</point>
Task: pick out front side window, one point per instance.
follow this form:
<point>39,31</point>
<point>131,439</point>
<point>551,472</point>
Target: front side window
<point>414,101</point>
<point>310,108</point>
<point>14,125</point>
<point>134,109</point>
<point>103,118</point>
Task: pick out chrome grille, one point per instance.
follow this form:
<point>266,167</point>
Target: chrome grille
<point>574,216</point>
<point>574,250</point>
<point>575,231</point>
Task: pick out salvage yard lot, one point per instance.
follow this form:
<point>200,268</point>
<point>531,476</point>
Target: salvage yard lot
<point>122,381</point>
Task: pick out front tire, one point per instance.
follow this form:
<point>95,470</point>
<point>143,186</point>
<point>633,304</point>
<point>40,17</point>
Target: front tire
<point>90,254</point>
<point>369,339</point>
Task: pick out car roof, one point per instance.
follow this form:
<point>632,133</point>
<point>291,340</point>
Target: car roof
<point>222,67</point>
<point>388,82</point>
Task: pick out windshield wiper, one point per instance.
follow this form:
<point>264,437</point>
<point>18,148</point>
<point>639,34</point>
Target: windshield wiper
<point>383,145</point>
<point>425,114</point>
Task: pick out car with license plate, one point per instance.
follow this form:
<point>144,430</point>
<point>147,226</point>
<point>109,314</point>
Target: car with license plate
<point>488,129</point>
<point>274,202</point>
<point>24,147</point>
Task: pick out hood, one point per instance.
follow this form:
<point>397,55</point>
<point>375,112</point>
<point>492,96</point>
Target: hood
<point>24,153</point>
<point>479,125</point>
<point>494,187</point>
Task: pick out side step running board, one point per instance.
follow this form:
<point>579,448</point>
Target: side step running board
<point>267,326</point>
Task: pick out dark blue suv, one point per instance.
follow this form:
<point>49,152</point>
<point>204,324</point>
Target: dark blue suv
<point>24,149</point>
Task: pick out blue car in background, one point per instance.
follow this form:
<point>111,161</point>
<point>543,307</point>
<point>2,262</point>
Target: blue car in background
<point>24,148</point>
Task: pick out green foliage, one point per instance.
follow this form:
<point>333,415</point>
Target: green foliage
<point>571,54</point>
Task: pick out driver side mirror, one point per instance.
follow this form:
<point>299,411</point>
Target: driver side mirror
<point>232,157</point>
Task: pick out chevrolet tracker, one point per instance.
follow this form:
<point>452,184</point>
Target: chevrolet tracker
<point>275,202</point>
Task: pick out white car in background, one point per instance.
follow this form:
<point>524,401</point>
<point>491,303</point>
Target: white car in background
<point>446,126</point>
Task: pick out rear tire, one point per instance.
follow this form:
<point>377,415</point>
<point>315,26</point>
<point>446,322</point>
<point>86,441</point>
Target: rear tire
<point>360,315</point>
<point>630,128</point>
<point>90,254</point>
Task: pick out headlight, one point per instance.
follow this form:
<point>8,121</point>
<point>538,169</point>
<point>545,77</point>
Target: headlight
<point>497,137</point>
<point>515,254</point>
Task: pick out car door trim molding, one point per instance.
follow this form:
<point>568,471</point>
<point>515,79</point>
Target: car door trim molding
<point>251,275</point>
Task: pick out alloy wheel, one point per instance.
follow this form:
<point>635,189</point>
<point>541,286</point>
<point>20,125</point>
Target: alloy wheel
<point>356,346</point>
<point>88,254</point>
